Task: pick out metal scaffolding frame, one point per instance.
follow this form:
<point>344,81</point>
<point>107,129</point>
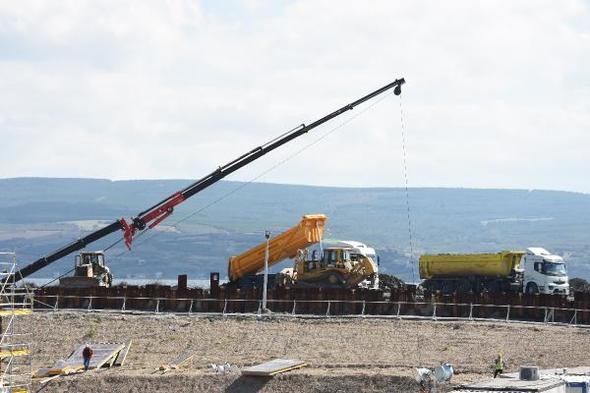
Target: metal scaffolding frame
<point>15,350</point>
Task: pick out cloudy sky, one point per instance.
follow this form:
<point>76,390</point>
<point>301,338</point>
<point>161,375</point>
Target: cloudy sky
<point>497,92</point>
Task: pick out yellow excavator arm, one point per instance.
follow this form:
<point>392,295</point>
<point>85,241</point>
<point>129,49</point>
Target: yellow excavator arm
<point>309,231</point>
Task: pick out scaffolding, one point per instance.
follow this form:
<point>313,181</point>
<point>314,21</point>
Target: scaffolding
<point>15,351</point>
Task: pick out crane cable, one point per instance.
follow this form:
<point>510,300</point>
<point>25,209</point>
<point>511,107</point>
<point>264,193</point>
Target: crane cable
<point>409,215</point>
<point>263,173</point>
<point>405,168</point>
<point>57,278</point>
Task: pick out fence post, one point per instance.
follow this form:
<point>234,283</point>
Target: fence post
<point>508,313</point>
<point>545,317</point>
<point>56,307</point>
<point>31,298</point>
<point>294,305</point>
<point>158,305</point>
<point>549,315</point>
<point>328,309</point>
<point>471,311</point>
<point>259,312</point>
<point>89,303</point>
<point>124,304</point>
<point>190,308</point>
<point>363,310</point>
<point>434,312</point>
<point>224,307</point>
<point>398,308</point>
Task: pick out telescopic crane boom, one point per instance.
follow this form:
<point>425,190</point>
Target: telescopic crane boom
<point>152,216</point>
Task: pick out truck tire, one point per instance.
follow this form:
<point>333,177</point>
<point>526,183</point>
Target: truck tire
<point>532,288</point>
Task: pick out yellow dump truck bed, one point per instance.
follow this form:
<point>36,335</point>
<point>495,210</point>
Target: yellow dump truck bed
<point>309,231</point>
<point>460,265</point>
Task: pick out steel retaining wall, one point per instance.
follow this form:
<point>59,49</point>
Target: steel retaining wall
<point>327,308</point>
<point>321,302</point>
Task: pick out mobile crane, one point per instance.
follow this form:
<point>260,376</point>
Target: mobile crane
<point>154,215</point>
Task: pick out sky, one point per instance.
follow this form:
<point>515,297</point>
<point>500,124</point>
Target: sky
<point>497,93</point>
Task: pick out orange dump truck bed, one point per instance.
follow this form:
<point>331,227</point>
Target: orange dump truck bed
<point>309,231</point>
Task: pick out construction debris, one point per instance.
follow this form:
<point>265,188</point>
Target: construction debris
<point>105,355</point>
<point>182,358</point>
<point>389,282</point>
<point>273,367</point>
<point>552,385</point>
<point>45,380</point>
<point>122,355</point>
<point>533,379</point>
<point>222,368</point>
<point>179,361</point>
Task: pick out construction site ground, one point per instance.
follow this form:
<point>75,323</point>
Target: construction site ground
<point>344,355</point>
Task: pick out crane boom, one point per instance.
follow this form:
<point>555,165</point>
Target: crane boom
<point>152,216</point>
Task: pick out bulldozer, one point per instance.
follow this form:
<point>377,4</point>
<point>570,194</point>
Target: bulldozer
<point>90,270</point>
<point>333,267</point>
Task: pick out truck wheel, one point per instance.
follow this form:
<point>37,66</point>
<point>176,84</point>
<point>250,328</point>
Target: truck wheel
<point>532,288</point>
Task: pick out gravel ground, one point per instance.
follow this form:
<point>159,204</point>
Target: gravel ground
<point>360,355</point>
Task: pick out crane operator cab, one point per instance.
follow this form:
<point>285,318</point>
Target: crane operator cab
<point>90,270</point>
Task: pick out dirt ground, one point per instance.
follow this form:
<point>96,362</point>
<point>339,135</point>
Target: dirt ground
<point>360,355</point>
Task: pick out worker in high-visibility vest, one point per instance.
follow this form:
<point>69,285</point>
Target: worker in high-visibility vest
<point>498,365</point>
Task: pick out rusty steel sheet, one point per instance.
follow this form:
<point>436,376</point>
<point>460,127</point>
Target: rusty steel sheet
<point>314,301</point>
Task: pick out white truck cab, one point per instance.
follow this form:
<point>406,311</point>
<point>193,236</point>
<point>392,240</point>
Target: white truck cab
<point>358,248</point>
<point>544,272</point>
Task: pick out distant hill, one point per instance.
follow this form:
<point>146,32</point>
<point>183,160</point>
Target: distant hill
<point>39,215</point>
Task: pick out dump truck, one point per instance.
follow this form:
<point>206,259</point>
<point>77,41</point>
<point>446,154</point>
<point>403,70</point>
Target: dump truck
<point>157,213</point>
<point>307,232</point>
<point>346,264</point>
<point>534,270</point>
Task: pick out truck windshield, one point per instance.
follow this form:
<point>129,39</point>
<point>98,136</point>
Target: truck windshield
<point>554,269</point>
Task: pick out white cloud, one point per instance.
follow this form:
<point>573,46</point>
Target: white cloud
<point>497,93</point>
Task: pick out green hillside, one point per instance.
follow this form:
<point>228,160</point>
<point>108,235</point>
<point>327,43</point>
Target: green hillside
<point>37,215</point>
